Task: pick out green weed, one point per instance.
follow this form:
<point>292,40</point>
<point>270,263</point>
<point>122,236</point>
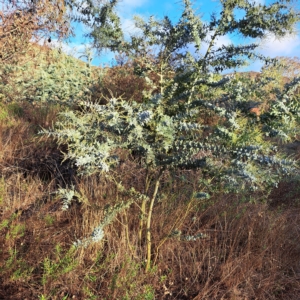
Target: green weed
<point>4,224</point>
<point>88,293</point>
<point>3,112</point>
<point>15,231</point>
<point>49,220</point>
<point>63,264</point>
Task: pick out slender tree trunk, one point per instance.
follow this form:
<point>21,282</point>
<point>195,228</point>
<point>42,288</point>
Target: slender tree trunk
<point>143,209</point>
<point>148,228</point>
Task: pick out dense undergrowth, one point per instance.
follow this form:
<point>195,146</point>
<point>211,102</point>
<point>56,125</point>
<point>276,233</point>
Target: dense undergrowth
<point>227,247</point>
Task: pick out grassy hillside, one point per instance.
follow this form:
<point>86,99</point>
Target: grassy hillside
<point>229,246</point>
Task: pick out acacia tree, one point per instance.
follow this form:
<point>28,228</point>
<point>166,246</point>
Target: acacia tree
<point>166,130</point>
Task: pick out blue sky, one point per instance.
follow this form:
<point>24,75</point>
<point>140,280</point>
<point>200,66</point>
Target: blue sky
<point>289,46</point>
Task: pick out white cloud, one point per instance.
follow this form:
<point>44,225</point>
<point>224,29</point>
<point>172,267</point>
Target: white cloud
<point>128,27</point>
<point>127,8</point>
<point>223,41</point>
<point>287,46</point>
<point>220,41</point>
<point>78,51</point>
<point>272,47</point>
<point>70,48</point>
<point>74,49</point>
<point>258,1</point>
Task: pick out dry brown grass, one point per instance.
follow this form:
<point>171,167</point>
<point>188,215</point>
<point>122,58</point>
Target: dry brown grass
<point>122,81</point>
<point>250,253</point>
